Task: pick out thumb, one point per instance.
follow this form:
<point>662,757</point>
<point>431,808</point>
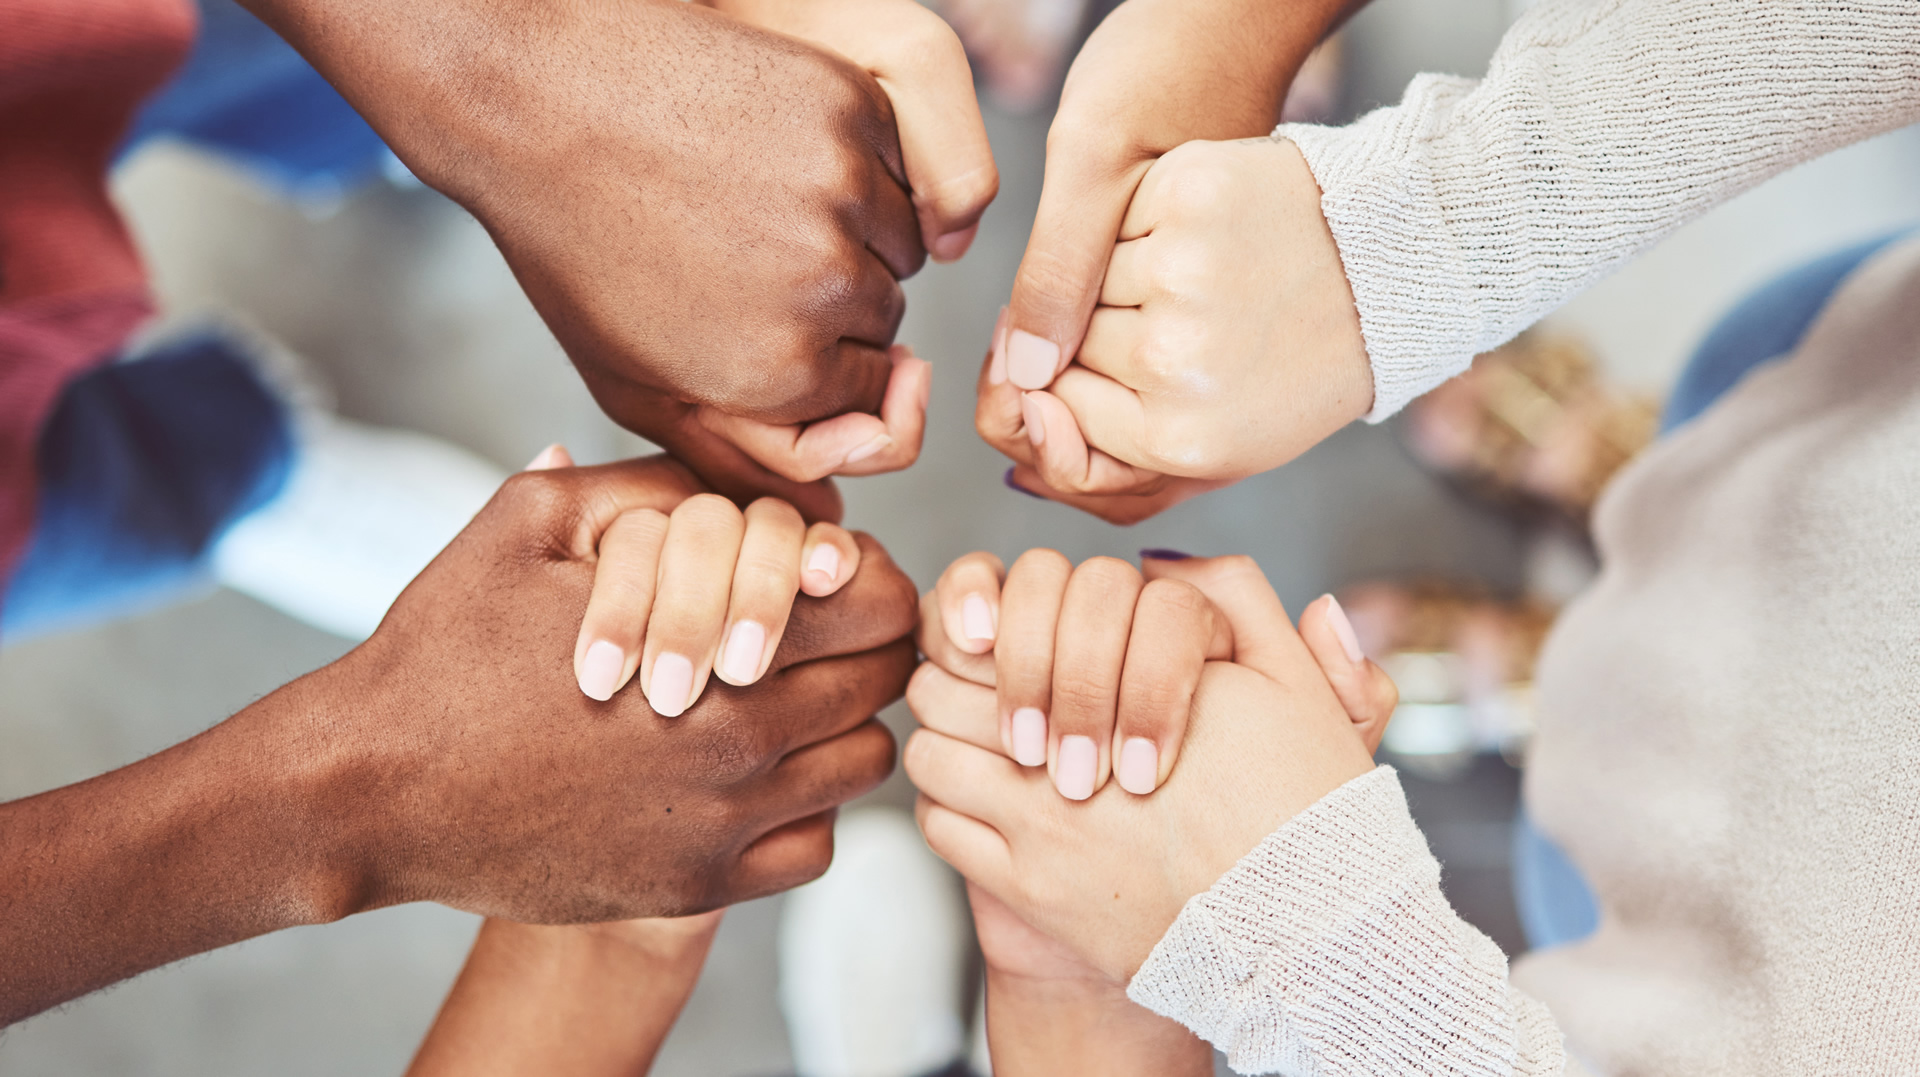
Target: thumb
<point>943,142</point>
<point>1082,202</point>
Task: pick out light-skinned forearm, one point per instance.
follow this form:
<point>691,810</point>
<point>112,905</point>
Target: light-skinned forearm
<point>587,1000</point>
<point>232,834</point>
<point>1045,1028</point>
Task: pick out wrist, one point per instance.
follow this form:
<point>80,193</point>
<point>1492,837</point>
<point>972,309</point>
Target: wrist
<point>1083,1025</point>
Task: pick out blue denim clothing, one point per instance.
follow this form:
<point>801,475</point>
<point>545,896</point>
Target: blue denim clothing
<point>142,466</point>
<point>1556,905</point>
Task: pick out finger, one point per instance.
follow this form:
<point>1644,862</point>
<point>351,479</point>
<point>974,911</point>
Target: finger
<point>1122,509</point>
<point>1263,635</point>
<point>940,650</point>
<point>1023,653</point>
<point>903,416</point>
<point>1061,453</point>
<point>582,502</point>
<point>892,227</point>
<point>996,413</point>
<point>1364,689</point>
<point>611,632</point>
<point>1172,633</point>
<point>826,774</point>
<point>551,457</point>
<point>1126,284</point>
<point>1155,565</point>
<point>851,443</point>
<point>968,595</point>
<point>943,140</point>
<point>971,847</point>
<point>690,603</point>
<point>877,606</point>
<point>1090,649</point>
<point>1083,198</point>
<point>828,559</point>
<point>822,699</point>
<point>971,780</point>
<point>1113,344</point>
<point>781,859</point>
<point>766,576</point>
<point>954,707</point>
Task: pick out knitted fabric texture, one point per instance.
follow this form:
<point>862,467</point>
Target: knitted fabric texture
<point>1728,746</point>
<point>1470,209</point>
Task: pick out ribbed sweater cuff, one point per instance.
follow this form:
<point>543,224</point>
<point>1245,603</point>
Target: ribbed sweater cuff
<point>1329,949</point>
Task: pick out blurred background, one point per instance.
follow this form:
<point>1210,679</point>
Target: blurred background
<point>1454,533</point>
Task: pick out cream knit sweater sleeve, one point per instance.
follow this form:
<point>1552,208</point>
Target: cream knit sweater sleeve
<point>1469,210</point>
<point>1329,950</point>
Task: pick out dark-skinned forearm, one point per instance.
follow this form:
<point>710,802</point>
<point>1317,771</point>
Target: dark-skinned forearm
<point>1041,1028</point>
<point>218,839</point>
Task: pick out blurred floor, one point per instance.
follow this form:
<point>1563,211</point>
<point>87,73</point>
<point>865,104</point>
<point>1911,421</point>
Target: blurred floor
<point>400,298</point>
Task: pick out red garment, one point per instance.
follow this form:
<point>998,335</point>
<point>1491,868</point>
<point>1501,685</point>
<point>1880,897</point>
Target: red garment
<point>72,287</point>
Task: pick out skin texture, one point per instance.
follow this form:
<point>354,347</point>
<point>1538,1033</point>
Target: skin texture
<point>452,758</point>
<point>594,1000</point>
<point>713,218</point>
<point>1267,736</point>
<point>1154,75</point>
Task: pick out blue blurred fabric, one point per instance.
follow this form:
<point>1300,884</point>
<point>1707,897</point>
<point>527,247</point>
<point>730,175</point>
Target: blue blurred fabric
<point>244,93</point>
<point>142,466</point>
<point>1555,903</point>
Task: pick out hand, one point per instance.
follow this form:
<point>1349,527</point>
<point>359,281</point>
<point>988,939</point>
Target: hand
<point>1267,737</point>
<point>1154,75</point>
<point>481,777</point>
<point>1226,342</point>
<point>584,1000</point>
<point>919,61</point>
<point>1110,656</point>
<point>712,218</point>
<point>671,590</point>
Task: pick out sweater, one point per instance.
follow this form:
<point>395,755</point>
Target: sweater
<point>1726,741</point>
<point>1727,748</point>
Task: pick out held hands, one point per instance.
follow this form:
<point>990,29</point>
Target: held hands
<point>1268,734</point>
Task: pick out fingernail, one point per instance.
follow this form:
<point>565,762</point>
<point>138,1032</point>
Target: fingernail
<point>1139,766</point>
<point>1017,488</point>
<point>1029,737</point>
<point>600,670</point>
<point>746,644</point>
<point>867,448</point>
<point>976,617</point>
<point>1164,555</point>
<point>997,369</point>
<point>1031,360</point>
<point>548,459</point>
<point>1036,428</point>
<point>670,688</point>
<point>951,246</point>
<point>1074,774</point>
<point>1343,628</point>
<point>825,560</point>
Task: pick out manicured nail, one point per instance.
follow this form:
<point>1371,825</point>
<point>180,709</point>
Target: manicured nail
<point>1031,360</point>
<point>600,670</point>
<point>825,560</point>
<point>548,459</point>
<point>670,688</point>
<point>1343,628</point>
<point>1073,773</point>
<point>867,448</point>
<point>740,660</point>
<point>976,617</point>
<point>950,247</point>
<point>1164,555</point>
<point>1139,766</point>
<point>1017,488</point>
<point>1036,427</point>
<point>997,368</point>
<point>1029,737</point>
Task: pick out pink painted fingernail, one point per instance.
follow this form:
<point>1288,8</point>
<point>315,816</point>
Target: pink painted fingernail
<point>1073,772</point>
<point>976,617</point>
<point>1031,360</point>
<point>600,670</point>
<point>670,689</point>
<point>997,367</point>
<point>1343,628</point>
<point>825,560</point>
<point>867,448</point>
<point>548,459</point>
<point>1029,737</point>
<point>740,661</point>
<point>1139,767</point>
<point>1036,427</point>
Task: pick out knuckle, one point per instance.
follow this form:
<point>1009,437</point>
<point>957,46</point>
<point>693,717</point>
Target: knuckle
<point>1081,691</point>
<point>1175,598</point>
<point>1203,180</point>
<point>1108,576</point>
<point>1181,444</point>
<point>707,512</point>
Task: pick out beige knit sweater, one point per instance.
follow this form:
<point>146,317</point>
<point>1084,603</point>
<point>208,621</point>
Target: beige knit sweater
<point>1730,732</point>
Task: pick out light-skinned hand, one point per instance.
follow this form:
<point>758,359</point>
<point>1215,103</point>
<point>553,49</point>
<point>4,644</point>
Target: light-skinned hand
<point>1267,737</point>
<point>1095,666</point>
